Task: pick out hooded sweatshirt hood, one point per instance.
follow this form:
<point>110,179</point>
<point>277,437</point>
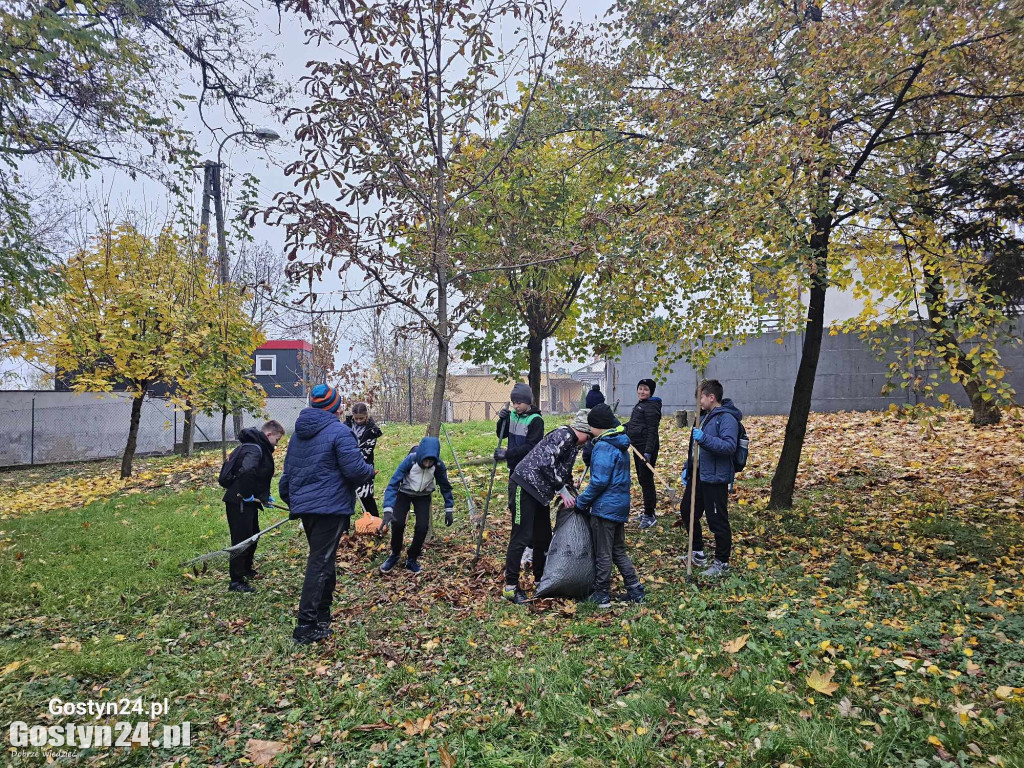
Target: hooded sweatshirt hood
<point>255,436</point>
<point>617,437</point>
<point>729,407</point>
<point>429,448</point>
<point>312,421</point>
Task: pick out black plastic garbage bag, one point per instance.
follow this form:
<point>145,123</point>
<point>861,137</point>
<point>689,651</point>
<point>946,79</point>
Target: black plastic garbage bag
<point>569,570</point>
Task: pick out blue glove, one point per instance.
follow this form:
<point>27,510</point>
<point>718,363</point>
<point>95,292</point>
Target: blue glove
<point>251,499</point>
<point>647,458</point>
<point>698,434</point>
<point>685,479</point>
<point>270,500</point>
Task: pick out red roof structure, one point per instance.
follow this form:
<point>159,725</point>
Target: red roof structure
<point>287,344</point>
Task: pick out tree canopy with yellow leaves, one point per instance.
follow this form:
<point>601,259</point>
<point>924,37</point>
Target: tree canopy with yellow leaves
<point>139,310</point>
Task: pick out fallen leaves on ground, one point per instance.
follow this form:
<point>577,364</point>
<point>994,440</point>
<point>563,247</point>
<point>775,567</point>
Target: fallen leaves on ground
<point>262,752</point>
<point>82,484</point>
<point>822,681</point>
<point>734,646</point>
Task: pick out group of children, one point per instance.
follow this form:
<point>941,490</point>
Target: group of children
<point>329,464</point>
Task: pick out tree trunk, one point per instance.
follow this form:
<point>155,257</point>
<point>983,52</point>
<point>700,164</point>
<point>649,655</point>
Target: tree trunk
<point>440,383</point>
<point>985,412</point>
<point>224,435</point>
<point>534,346</point>
<point>188,431</point>
<point>133,436</point>
<point>784,479</point>
<point>237,422</point>
<point>443,341</point>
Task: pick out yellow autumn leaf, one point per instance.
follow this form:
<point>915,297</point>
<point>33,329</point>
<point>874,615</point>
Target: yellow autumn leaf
<point>822,682</point>
<point>1004,692</point>
<point>11,667</point>
<point>934,741</point>
<point>735,646</point>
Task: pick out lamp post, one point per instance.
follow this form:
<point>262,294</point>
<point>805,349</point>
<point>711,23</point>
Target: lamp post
<point>212,190</point>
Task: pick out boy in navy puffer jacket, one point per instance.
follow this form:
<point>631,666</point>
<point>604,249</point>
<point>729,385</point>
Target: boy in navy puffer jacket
<point>717,436</point>
<point>606,499</point>
<point>322,469</point>
<point>412,485</point>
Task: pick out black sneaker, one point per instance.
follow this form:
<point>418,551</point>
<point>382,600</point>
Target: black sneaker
<point>514,594</point>
<point>411,564</point>
<point>240,586</point>
<point>635,594</point>
<point>304,634</point>
<point>600,599</point>
<point>324,628</point>
<point>390,563</point>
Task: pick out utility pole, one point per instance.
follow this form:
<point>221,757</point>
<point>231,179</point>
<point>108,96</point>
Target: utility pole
<point>547,368</point>
<point>409,372</point>
<point>223,263</point>
<point>188,430</point>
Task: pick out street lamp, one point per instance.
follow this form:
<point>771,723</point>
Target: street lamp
<point>212,189</point>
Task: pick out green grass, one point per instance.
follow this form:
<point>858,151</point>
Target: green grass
<point>824,586</point>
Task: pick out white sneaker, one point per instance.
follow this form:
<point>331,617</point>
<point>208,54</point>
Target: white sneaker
<point>527,557</point>
<point>717,570</point>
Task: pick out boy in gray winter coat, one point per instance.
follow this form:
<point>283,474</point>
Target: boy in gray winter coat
<point>717,436</point>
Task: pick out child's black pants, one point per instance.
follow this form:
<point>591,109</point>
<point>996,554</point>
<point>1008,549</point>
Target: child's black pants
<point>243,522</point>
<point>421,508</point>
<point>645,477</point>
<point>531,527</point>
<point>610,548</point>
<point>712,501</point>
<point>322,533</point>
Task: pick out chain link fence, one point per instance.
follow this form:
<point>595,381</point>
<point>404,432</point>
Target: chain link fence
<point>53,427</point>
<point>46,427</point>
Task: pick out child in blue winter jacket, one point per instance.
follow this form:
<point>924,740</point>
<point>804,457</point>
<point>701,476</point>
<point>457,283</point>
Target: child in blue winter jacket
<point>606,499</point>
<point>412,485</point>
<point>717,436</point>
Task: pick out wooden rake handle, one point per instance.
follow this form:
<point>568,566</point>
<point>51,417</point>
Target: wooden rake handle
<point>671,490</point>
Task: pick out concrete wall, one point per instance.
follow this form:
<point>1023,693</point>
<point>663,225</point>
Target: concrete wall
<point>759,376</point>
<point>50,427</point>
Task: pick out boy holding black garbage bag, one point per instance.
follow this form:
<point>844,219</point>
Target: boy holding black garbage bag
<point>606,501</point>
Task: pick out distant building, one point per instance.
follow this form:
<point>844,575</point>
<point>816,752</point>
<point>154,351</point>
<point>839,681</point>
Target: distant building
<point>591,374</point>
<point>476,395</point>
<point>280,366</point>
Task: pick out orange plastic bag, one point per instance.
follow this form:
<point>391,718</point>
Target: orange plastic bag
<point>367,524</point>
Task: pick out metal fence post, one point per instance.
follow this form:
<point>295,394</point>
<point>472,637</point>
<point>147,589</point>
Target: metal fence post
<point>32,436</point>
<point>409,372</point>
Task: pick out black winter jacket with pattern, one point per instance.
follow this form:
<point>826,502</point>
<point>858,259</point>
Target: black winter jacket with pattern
<point>545,469</point>
<point>366,435</point>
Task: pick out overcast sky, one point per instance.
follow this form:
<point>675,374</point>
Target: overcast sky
<point>283,37</point>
